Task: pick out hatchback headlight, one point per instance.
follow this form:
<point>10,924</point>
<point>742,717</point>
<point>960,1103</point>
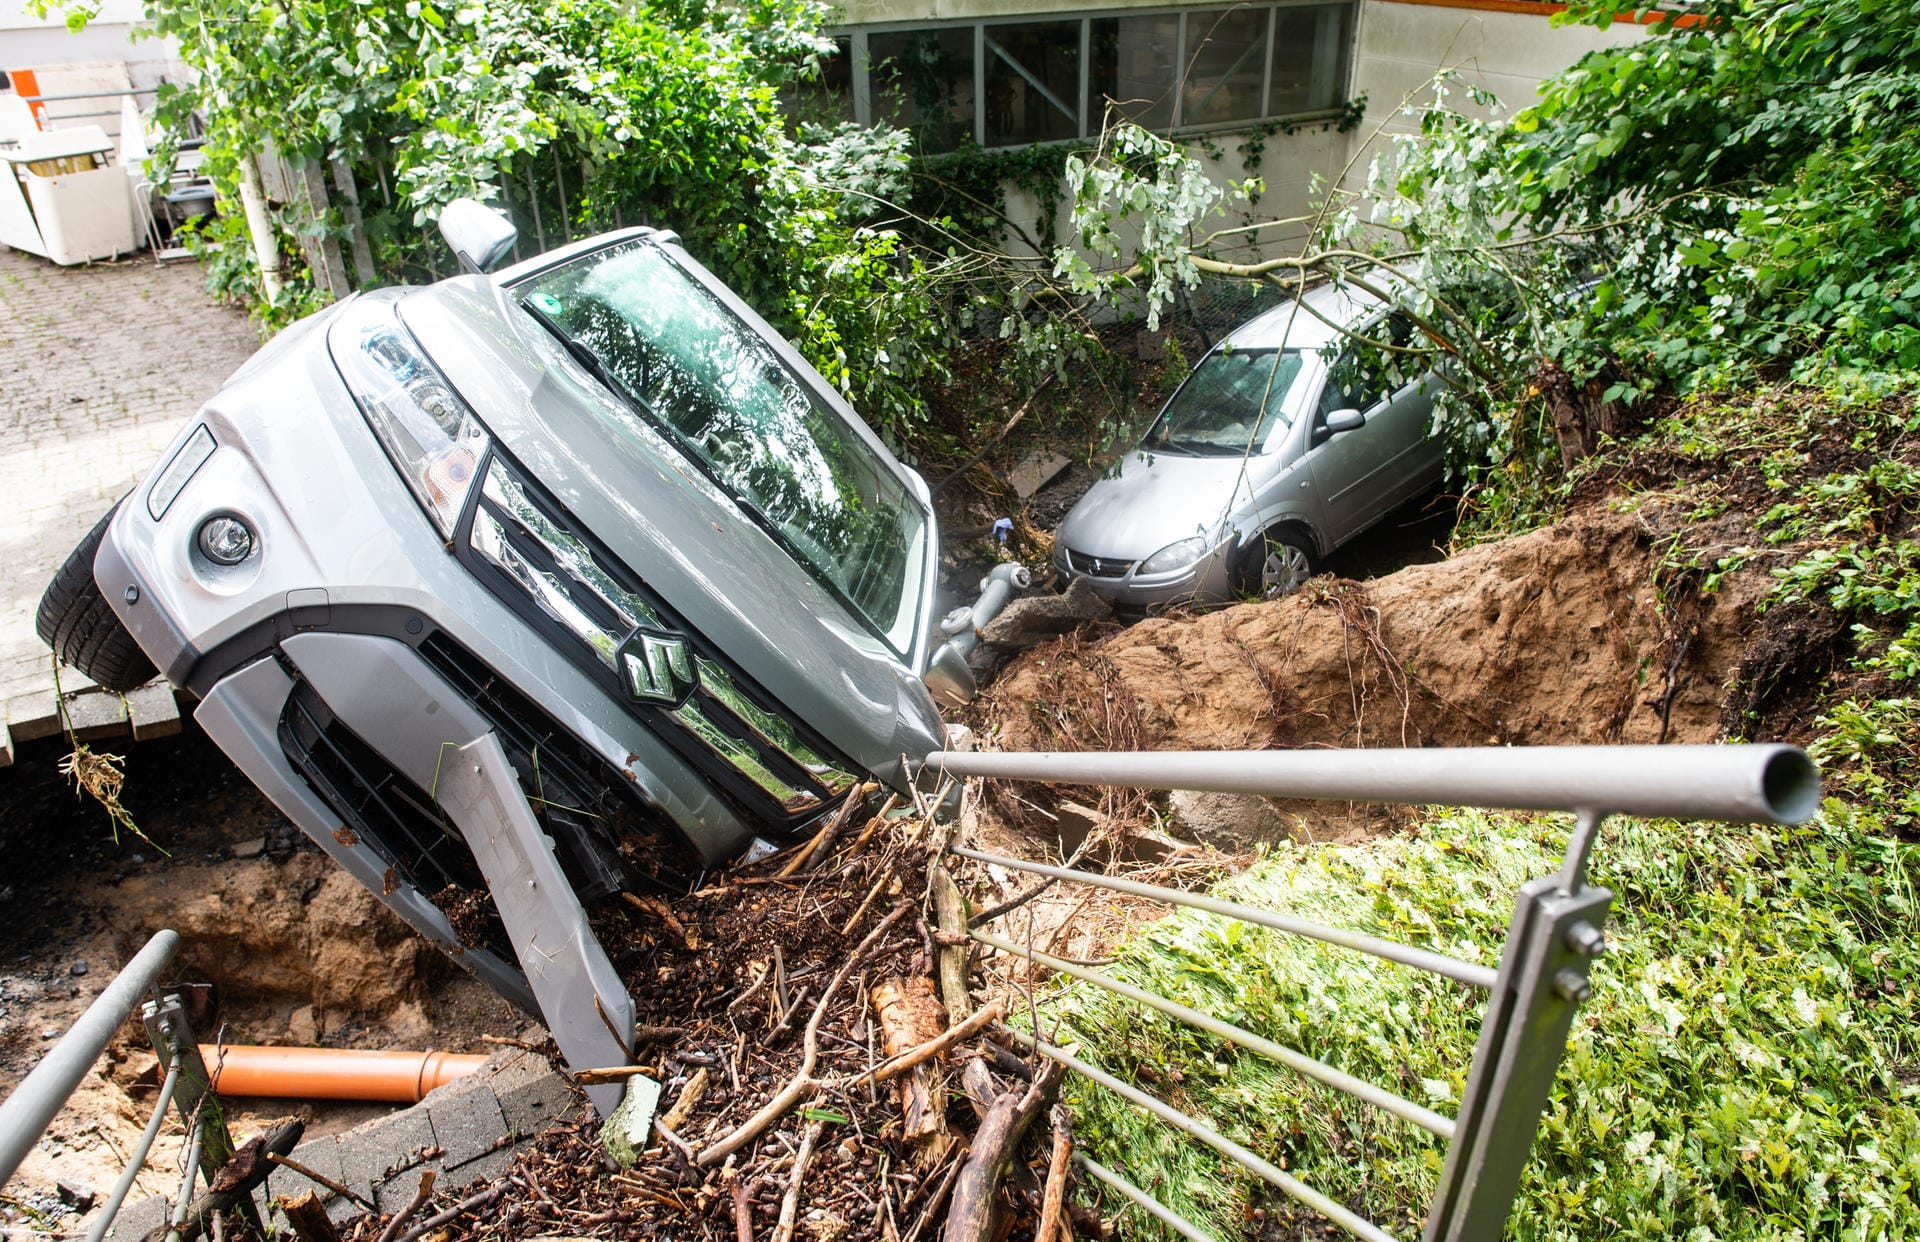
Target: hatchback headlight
<point>1174,556</point>
<point>432,436</point>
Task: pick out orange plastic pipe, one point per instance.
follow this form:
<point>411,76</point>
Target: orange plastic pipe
<point>332,1073</point>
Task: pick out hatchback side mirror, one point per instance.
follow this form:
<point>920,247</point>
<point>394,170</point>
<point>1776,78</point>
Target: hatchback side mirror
<point>478,235</point>
<point>1345,420</point>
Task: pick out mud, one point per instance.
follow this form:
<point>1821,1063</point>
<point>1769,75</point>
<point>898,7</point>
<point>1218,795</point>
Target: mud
<point>279,946</point>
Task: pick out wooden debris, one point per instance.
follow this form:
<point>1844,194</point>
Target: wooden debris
<point>309,1220</point>
<point>911,1017</point>
<point>970,1216</point>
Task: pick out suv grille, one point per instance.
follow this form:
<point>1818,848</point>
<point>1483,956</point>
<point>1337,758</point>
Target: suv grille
<point>580,800</point>
<point>1099,567</point>
<point>541,563</point>
<point>397,818</point>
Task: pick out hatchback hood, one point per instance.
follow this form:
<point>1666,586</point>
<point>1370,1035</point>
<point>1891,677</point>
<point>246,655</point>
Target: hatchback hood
<point>693,546</point>
<point>1157,499</point>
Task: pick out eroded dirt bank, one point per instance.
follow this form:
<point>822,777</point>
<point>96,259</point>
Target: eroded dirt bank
<point>1596,629</point>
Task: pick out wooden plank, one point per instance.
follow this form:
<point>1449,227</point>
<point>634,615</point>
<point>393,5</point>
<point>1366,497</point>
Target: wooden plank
<point>156,713</point>
<point>96,714</point>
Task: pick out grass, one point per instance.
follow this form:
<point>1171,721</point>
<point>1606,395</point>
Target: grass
<point>1748,1068</point>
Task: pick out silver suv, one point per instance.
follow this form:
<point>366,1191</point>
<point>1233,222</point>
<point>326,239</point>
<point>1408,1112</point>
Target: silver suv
<point>523,589</point>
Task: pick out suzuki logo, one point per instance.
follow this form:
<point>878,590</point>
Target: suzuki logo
<point>1098,565</point>
<point>657,667</point>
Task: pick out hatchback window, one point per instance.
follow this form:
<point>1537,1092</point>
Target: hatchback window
<point>696,372</point>
<point>1234,399</point>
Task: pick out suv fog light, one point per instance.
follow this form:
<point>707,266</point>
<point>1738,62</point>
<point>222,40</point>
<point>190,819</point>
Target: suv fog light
<point>225,540</point>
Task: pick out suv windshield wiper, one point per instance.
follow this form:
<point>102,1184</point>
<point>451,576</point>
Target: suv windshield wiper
<point>586,356</point>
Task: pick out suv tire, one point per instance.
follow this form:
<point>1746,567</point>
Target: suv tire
<point>78,623</point>
<point>1276,563</point>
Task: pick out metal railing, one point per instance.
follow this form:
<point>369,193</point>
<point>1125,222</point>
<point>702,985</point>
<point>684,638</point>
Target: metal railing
<point>1541,980</point>
<point>31,1107</point>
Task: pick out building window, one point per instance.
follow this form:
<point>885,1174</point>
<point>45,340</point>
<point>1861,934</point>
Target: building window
<point>1033,83</point>
<point>923,81</point>
<point>1047,79</point>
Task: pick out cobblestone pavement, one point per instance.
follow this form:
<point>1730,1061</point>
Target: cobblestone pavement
<point>100,366</point>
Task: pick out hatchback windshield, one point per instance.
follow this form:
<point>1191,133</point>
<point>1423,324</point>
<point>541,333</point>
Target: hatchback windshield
<point>1234,399</point>
<point>694,370</point>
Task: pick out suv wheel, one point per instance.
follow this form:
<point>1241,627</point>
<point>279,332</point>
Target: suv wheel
<point>1276,564</point>
<point>78,623</point>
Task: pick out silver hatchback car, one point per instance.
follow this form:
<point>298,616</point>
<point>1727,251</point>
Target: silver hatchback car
<point>1285,442</point>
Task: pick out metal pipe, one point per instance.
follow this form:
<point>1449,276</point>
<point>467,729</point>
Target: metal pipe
<point>1760,784</point>
<point>1392,951</point>
<point>26,1113</point>
<point>1144,1201</point>
<point>1299,1062</point>
<point>333,1073</point>
<point>963,625</point>
<point>135,1161</point>
<point>1358,1226</point>
<point>178,1217</point>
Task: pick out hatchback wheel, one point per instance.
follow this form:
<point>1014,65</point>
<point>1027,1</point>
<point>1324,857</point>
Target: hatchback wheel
<point>1277,564</point>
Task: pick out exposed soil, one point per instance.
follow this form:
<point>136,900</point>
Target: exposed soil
<point>278,946</point>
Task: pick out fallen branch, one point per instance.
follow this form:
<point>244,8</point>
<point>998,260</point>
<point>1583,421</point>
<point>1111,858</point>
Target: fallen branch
<point>405,1214</point>
<point>468,1204</point>
<point>989,1013</point>
<point>790,1205</point>
<point>610,1073</point>
<point>294,1166</point>
<point>1052,1221</point>
<point>309,1220</point>
<point>910,1018</point>
<point>803,1081</point>
<point>742,1210</point>
<point>236,1179</point>
<point>823,839</point>
<point>970,1217</point>
<point>950,916</point>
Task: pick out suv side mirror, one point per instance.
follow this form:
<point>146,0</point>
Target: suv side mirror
<point>478,235</point>
<point>1345,420</point>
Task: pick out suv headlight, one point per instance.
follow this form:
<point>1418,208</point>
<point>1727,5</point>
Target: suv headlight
<point>433,438</point>
<point>1174,556</point>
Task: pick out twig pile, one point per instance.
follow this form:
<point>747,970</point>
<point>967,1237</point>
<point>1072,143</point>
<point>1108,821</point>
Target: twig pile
<point>818,1081</point>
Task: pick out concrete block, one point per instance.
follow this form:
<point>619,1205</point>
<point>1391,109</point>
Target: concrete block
<point>488,1168</point>
<point>466,1118</point>
<point>373,1152</point>
<point>137,1219</point>
<point>531,1095</point>
<point>322,1155</point>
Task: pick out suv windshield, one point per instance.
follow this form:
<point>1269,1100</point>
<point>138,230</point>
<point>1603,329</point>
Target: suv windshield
<point>1219,410</point>
<point>691,367</point>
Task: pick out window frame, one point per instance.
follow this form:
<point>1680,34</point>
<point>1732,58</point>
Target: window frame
<point>1344,36</point>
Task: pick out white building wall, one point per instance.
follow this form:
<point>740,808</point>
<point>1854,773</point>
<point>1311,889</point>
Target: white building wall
<point>1401,45</point>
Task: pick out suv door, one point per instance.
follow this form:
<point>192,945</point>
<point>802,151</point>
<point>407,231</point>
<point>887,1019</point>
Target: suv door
<point>1361,474</point>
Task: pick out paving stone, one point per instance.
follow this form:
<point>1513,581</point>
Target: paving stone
<point>487,1168</point>
<point>100,365</point>
<point>531,1094</point>
<point>137,1219</point>
<point>373,1152</point>
<point>466,1118</point>
<point>323,1156</point>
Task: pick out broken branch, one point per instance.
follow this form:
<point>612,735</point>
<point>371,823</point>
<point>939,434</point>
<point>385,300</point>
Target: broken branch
<point>1051,1220</point>
<point>790,1206</point>
<point>986,1014</point>
<point>294,1166</point>
<point>405,1214</point>
<point>970,1217</point>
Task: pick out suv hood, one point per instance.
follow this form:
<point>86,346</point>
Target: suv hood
<point>707,560</point>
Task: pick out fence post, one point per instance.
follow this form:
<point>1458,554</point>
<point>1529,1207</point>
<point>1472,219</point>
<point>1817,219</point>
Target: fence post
<point>1556,933</point>
<point>168,1028</point>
